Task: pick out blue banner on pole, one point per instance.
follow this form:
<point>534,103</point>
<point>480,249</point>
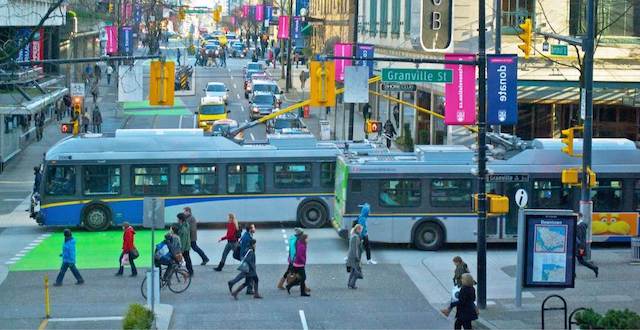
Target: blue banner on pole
<point>137,13</point>
<point>126,40</point>
<point>301,4</point>
<point>297,27</point>
<point>366,51</point>
<point>502,89</point>
<point>24,54</point>
<point>268,12</point>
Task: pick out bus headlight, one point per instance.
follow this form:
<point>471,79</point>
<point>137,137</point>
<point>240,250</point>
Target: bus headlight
<point>203,123</point>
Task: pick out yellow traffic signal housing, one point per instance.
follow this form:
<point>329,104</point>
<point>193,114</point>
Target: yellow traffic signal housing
<point>110,8</point>
<point>568,140</point>
<point>216,15</point>
<point>591,176</point>
<point>497,204</point>
<point>526,36</point>
<point>182,13</point>
<point>571,176</point>
<point>323,84</point>
<point>161,83</point>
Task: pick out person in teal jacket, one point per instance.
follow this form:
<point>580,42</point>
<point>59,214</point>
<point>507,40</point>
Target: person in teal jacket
<point>68,259</point>
<point>362,220</point>
<point>293,239</point>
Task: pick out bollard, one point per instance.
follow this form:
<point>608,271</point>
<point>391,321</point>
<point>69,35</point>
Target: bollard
<point>47,306</point>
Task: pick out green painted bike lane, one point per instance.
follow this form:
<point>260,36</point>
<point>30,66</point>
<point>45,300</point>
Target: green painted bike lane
<point>142,108</point>
<point>94,250</point>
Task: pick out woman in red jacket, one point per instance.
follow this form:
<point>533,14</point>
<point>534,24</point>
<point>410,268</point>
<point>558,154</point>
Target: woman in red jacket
<point>299,262</point>
<point>231,237</point>
<point>128,248</point>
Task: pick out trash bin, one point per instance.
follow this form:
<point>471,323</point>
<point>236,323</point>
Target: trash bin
<point>325,130</point>
<point>635,249</point>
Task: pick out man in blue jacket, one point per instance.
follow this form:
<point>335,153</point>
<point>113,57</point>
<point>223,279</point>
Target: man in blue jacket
<point>245,245</point>
<point>68,259</point>
<point>362,220</point>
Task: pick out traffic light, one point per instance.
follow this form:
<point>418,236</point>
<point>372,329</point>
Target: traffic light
<point>373,126</point>
<point>591,177</point>
<point>496,204</point>
<point>76,105</point>
<point>526,36</point>
<point>567,138</point>
<point>323,84</point>
<point>161,83</point>
<point>216,14</point>
<point>571,176</point>
<point>110,8</point>
<point>182,13</point>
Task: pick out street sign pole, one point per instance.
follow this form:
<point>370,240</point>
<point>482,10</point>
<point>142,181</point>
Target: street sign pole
<point>521,200</point>
<point>352,106</point>
<point>153,267</point>
<point>482,159</point>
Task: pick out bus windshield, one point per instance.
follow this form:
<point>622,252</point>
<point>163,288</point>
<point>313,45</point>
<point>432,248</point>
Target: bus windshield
<point>212,109</point>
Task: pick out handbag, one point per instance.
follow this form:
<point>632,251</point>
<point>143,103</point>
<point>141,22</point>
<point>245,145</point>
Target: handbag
<point>134,254</point>
<point>236,252</point>
<point>244,265</point>
<point>292,278</point>
<point>125,260</point>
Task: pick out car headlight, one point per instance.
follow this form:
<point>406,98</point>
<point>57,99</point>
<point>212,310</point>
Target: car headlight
<point>203,123</point>
<point>224,97</point>
<point>255,109</point>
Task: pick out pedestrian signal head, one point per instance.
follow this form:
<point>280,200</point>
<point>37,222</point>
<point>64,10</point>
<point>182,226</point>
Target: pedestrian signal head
<point>373,126</point>
<point>66,128</point>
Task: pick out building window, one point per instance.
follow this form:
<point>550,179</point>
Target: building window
<point>395,18</point>
<point>245,179</point>
<point>400,193</point>
<point>293,175</point>
<point>150,180</point>
<point>550,194</point>
<point>607,196</point>
<point>198,179</point>
<point>61,180</point>
<point>384,17</point>
<point>101,180</point>
<point>620,17</point>
<point>407,17</point>
<point>514,12</point>
<point>327,174</point>
<point>373,18</point>
<point>451,193</point>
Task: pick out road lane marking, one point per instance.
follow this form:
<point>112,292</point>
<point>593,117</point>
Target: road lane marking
<point>9,262</point>
<point>242,108</point>
<point>238,95</point>
<point>235,86</point>
<point>252,137</point>
<point>284,235</point>
<point>84,319</point>
<point>195,121</point>
<point>303,320</point>
<point>13,200</point>
<point>180,122</point>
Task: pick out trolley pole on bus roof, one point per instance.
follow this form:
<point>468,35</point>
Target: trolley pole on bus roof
<point>482,159</point>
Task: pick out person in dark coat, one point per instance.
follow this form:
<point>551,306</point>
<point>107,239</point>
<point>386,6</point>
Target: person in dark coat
<point>354,266</point>
<point>466,310</point>
<point>389,131</point>
<point>461,268</point>
<point>96,117</point>
<point>251,276</point>
<point>232,240</point>
<point>185,241</point>
<point>581,245</point>
<point>68,259</point>
<point>193,225</point>
<point>128,247</point>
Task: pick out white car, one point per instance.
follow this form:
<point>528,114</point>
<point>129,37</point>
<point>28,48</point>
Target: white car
<point>217,89</point>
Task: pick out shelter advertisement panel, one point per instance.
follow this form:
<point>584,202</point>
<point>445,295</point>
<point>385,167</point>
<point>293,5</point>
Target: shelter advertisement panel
<point>502,89</point>
<point>549,249</point>
<point>342,49</point>
<point>460,104</point>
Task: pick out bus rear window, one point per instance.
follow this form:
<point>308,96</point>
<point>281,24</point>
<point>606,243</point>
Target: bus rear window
<point>61,180</point>
<point>400,193</point>
<point>150,180</point>
<point>451,193</point>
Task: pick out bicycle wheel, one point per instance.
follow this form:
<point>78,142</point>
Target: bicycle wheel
<point>143,288</point>
<point>179,281</point>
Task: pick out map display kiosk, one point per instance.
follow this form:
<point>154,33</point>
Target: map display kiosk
<point>549,257</point>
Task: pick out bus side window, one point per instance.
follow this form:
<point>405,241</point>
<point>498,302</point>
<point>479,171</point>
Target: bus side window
<point>400,193</point>
<point>243,178</point>
<point>198,179</point>
<point>550,194</point>
<point>61,180</point>
<point>327,174</point>
<point>101,179</point>
<point>607,196</point>
<point>356,186</point>
<point>451,193</point>
<point>636,194</point>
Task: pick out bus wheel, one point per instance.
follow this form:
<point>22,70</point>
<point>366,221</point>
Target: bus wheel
<point>428,237</point>
<point>96,218</point>
<point>312,215</point>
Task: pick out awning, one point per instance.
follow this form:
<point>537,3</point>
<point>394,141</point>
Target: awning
<point>36,104</point>
<point>563,94</point>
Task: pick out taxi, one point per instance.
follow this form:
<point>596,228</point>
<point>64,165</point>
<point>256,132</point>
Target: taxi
<point>211,108</point>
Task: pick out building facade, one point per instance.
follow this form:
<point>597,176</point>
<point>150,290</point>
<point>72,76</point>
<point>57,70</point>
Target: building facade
<point>332,21</point>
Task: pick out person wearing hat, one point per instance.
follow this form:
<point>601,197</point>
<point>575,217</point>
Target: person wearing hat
<point>68,259</point>
<point>293,239</point>
<point>128,249</point>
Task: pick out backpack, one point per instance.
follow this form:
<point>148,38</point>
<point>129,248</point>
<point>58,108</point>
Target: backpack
<point>162,252</point>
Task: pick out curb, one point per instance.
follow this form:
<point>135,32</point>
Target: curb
<point>481,323</point>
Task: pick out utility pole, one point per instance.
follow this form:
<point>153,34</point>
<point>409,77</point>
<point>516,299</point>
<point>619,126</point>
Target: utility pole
<point>288,81</point>
<point>352,106</point>
<point>482,159</point>
<point>586,206</point>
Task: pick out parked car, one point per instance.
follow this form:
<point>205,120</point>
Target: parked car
<point>217,89</point>
<point>262,104</point>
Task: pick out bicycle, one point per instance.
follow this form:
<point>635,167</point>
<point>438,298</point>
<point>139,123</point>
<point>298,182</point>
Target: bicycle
<point>177,282</point>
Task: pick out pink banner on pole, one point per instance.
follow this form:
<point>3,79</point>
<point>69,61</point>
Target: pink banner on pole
<point>112,39</point>
<point>460,94</point>
<point>341,49</point>
<point>259,13</point>
<point>245,10</point>
<point>233,20</point>
<point>283,27</point>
